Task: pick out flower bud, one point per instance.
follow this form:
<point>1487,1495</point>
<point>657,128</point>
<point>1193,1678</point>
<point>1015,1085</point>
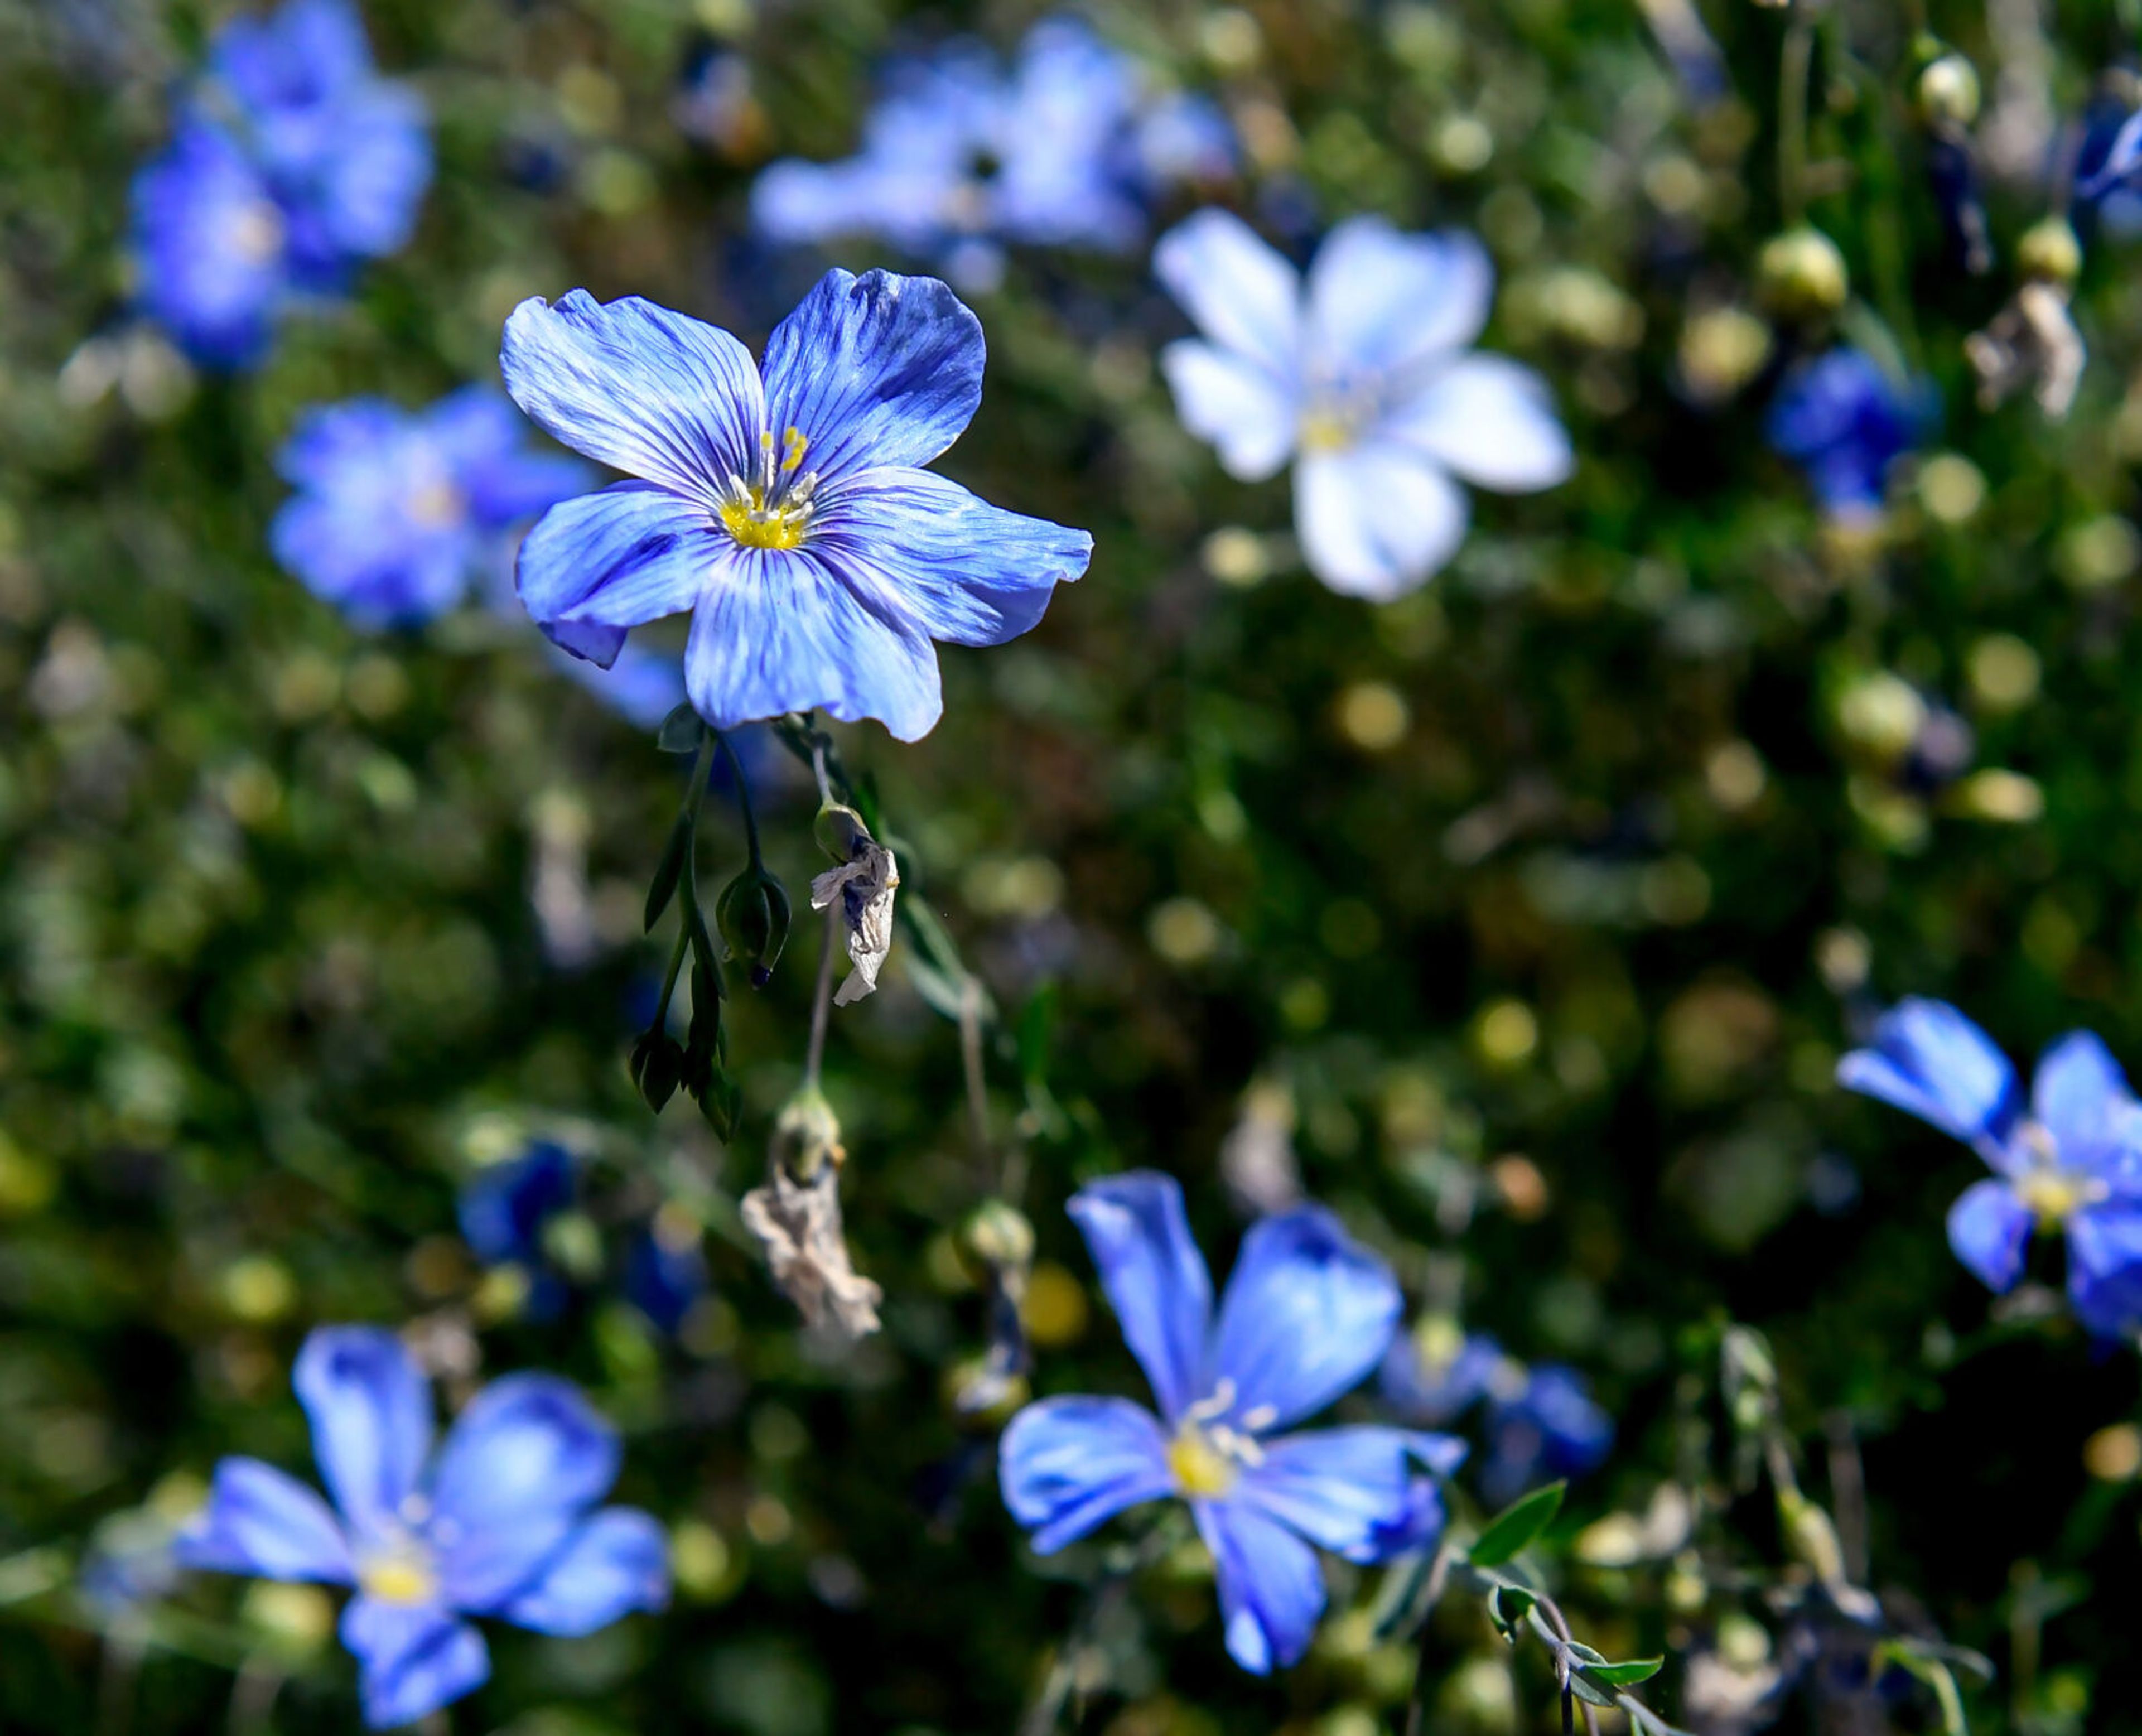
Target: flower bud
<point>996,1237</point>
<point>1801,275</point>
<point>1948,90</point>
<point>2050,252</point>
<point>807,1135</point>
<point>753,913</point>
<point>837,829</point>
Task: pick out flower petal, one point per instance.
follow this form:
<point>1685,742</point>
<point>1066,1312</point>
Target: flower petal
<point>1248,414</point>
<point>520,1466</point>
<point>1308,1312</point>
<point>262,1520</point>
<point>2082,1097</point>
<point>874,370</point>
<point>1930,1061</point>
<point>2104,1267</point>
<point>1065,1465</point>
<point>413,1658</point>
<point>370,1413</point>
<point>781,631</point>
<point>1139,1237</point>
<point>968,572</point>
<point>1491,421</point>
<point>616,1563</point>
<point>630,554</point>
<point>637,387</point>
<point>1380,301</point>
<point>210,246</point>
<point>1376,521</point>
<point>1351,1491</point>
<point>1239,290</point>
<point>1437,1392</point>
<point>1272,1584</point>
<point>1989,1228</point>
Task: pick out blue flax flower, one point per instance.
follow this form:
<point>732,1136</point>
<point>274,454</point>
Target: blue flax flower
<point>396,511</point>
<point>291,161</point>
<point>959,156</point>
<point>1844,422</point>
<point>788,511</point>
<point>2071,1159</point>
<point>1306,1315</point>
<point>506,1205</point>
<point>500,1521</point>
<point>1541,1422</point>
<point>1361,376</point>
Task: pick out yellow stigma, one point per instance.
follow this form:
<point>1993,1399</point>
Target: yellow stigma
<point>2053,1195</point>
<point>757,526</point>
<point>1325,431</point>
<point>1200,1469</point>
<point>401,1578</point>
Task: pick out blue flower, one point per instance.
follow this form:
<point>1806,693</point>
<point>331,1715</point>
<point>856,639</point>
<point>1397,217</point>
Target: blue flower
<point>1435,1373</point>
<point>1844,422</point>
<point>1361,377</point>
<point>500,1521</point>
<point>397,510</point>
<point>504,1206</point>
<point>958,156</point>
<point>1306,1315</point>
<point>294,162</point>
<point>1541,1422</point>
<point>665,1269</point>
<point>2071,1159</point>
<point>788,513</point>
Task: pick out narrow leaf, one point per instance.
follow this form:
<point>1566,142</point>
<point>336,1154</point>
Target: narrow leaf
<point>672,864</point>
<point>1626,1673</point>
<point>1511,1530</point>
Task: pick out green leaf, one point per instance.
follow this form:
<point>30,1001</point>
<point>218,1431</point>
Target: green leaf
<point>1511,1530</point>
<point>668,871</point>
<point>680,730</point>
<point>1508,1606</point>
<point>1626,1673</point>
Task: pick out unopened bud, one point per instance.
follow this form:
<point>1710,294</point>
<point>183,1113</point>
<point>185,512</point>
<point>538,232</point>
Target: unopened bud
<point>1948,90</point>
<point>996,1237</point>
<point>838,829</point>
<point>807,1136</point>
<point>753,915</point>
<point>2050,252</point>
<point>1801,275</point>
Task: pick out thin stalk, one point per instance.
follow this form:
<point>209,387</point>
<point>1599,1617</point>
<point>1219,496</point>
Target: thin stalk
<point>743,798</point>
<point>822,999</point>
<point>1795,62</point>
<point>970,1063</point>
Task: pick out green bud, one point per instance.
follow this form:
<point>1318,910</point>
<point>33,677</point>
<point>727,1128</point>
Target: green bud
<point>753,915</point>
<point>2050,252</point>
<point>807,1136</point>
<point>1948,90</point>
<point>1801,275</point>
<point>995,1237</point>
<point>838,829</point>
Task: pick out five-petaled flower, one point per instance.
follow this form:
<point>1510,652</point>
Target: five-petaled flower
<point>501,1522</point>
<point>291,161</point>
<point>788,512</point>
<point>1362,377</point>
<point>2070,1160</point>
<point>1306,1315</point>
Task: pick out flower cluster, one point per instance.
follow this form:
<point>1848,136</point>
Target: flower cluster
<point>291,162</point>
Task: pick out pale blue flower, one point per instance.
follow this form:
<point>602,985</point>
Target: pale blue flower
<point>1360,377</point>
<point>1306,1315</point>
<point>210,246</point>
<point>502,1521</point>
<point>1541,1422</point>
<point>2070,1160</point>
<point>788,512</point>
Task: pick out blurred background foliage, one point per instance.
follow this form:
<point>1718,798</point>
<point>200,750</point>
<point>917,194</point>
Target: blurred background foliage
<point>1528,914</point>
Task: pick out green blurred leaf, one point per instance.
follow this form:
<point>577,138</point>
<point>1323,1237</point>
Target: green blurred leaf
<point>1513,1530</point>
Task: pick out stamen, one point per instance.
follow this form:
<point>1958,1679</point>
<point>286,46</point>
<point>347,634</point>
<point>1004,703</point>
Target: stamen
<point>1222,1401</point>
<point>1261,1419</point>
<point>796,446</point>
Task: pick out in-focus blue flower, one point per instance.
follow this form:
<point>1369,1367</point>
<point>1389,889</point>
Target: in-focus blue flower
<point>501,1521</point>
<point>1844,420</point>
<point>1306,1315</point>
<point>396,511</point>
<point>959,155</point>
<point>2070,1160</point>
<point>1362,379</point>
<point>291,163</point>
<point>788,513</point>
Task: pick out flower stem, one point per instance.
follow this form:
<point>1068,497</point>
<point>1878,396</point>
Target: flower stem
<point>822,999</point>
<point>1794,63</point>
<point>743,798</point>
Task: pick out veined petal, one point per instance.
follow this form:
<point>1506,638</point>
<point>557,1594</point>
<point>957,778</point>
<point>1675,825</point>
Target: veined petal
<point>413,1658</point>
<point>1136,1229</point>
<point>968,572</point>
<point>1930,1061</point>
<point>1375,520</point>
<point>780,631</point>
<point>1248,413</point>
<point>593,566</point>
<point>1351,1491</point>
<point>1065,1465</point>
<point>1380,301</point>
<point>262,1520</point>
<point>637,387</point>
<point>1238,290</point>
<point>1488,419</point>
<point>522,1463</point>
<point>2081,1096</point>
<point>874,370</point>
<point>1989,1228</point>
<point>370,1413</point>
<point>1272,1584</point>
<point>2104,1267</point>
<point>1307,1313</point>
<point>615,1563</point>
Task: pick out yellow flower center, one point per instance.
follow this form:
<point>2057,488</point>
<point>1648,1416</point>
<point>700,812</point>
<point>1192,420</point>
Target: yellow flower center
<point>1325,431</point>
<point>435,503</point>
<point>774,510</point>
<point>2055,1195</point>
<point>255,233</point>
<point>400,1575</point>
<point>1201,1470</point>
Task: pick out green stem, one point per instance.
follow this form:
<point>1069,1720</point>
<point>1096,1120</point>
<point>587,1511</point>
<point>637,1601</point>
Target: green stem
<point>1794,64</point>
<point>743,799</point>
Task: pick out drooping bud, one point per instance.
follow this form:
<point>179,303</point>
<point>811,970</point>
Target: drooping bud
<point>1801,275</point>
<point>1948,90</point>
<point>753,915</point>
